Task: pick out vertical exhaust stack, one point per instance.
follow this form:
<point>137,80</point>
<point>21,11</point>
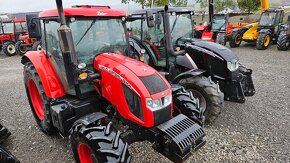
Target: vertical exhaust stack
<point>210,10</point>
<point>67,48</point>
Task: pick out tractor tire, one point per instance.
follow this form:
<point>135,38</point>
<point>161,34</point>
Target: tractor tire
<point>36,46</point>
<point>39,102</point>
<point>211,99</point>
<point>4,134</point>
<point>20,50</point>
<point>9,48</point>
<point>186,104</point>
<point>220,39</point>
<point>263,41</point>
<point>98,143</point>
<point>236,40</point>
<point>283,43</point>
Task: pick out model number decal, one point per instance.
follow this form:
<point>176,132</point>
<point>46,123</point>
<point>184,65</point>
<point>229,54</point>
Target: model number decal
<point>124,81</point>
<point>99,13</point>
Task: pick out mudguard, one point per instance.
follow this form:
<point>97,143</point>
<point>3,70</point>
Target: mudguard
<point>51,84</point>
<point>188,74</point>
<point>264,31</point>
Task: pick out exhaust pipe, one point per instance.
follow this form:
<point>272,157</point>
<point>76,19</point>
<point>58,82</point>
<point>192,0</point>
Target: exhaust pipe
<point>68,49</point>
<point>168,42</point>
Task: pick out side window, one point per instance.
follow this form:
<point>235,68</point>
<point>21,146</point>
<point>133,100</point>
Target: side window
<point>136,28</point>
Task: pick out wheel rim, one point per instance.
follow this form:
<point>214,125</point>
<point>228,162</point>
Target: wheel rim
<point>267,40</point>
<point>238,39</point>
<point>23,49</point>
<point>36,99</point>
<point>38,48</point>
<point>85,153</point>
<point>202,101</point>
<point>11,49</point>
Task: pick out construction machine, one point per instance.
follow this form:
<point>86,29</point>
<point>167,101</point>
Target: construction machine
<point>263,32</point>
<point>85,79</point>
<point>207,69</point>
<point>284,36</point>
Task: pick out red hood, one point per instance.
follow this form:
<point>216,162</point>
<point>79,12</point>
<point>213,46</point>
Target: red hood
<point>139,68</point>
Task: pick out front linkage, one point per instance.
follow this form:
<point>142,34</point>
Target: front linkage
<point>5,155</point>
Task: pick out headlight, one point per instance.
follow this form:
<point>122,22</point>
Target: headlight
<point>233,66</point>
<point>157,104</point>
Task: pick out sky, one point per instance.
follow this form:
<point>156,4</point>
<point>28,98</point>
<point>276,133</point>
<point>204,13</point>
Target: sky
<point>12,6</point>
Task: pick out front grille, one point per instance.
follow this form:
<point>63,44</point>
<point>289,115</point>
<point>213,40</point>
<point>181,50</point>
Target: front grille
<point>162,115</point>
<point>134,102</point>
<point>184,131</point>
<point>154,83</point>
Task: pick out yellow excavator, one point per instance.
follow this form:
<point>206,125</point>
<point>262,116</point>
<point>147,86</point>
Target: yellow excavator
<point>263,32</point>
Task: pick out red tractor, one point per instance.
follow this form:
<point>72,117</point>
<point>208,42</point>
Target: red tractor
<point>77,88</point>
<point>14,38</point>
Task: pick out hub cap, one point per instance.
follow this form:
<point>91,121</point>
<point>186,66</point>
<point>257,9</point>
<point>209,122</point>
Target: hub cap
<point>38,48</point>
<point>85,153</point>
<point>267,40</point>
<point>36,99</point>
<point>238,39</point>
<point>11,49</point>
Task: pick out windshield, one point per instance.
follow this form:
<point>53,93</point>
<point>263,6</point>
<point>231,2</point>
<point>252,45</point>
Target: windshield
<point>267,18</point>
<point>20,27</point>
<point>8,27</point>
<point>95,36</point>
<point>180,25</point>
<point>218,22</point>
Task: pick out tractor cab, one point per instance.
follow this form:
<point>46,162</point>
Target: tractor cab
<point>13,27</point>
<point>148,29</point>
<point>219,22</point>
<point>98,30</point>
<point>270,19</point>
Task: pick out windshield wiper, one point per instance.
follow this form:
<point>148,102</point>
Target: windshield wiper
<point>174,23</point>
<point>93,22</point>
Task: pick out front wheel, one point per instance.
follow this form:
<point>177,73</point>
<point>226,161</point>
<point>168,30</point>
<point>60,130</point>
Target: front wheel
<point>185,103</point>
<point>98,143</point>
<point>283,42</point>
<point>211,99</point>
<point>263,41</point>
<point>38,101</point>
<point>236,40</point>
<point>36,46</point>
<point>21,49</point>
<point>9,48</point>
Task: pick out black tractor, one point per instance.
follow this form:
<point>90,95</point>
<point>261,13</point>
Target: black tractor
<point>5,155</point>
<point>164,40</point>
<point>284,36</point>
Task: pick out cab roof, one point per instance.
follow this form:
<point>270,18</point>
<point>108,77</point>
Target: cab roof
<point>161,9</point>
<point>85,10</point>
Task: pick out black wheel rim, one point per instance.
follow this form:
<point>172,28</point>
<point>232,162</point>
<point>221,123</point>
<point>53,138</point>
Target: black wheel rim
<point>202,101</point>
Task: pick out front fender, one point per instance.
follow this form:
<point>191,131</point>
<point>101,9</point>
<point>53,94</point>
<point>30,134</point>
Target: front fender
<point>264,31</point>
<point>188,74</point>
<point>51,84</point>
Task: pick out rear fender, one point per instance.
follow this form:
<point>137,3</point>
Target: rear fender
<point>51,84</point>
<point>188,74</point>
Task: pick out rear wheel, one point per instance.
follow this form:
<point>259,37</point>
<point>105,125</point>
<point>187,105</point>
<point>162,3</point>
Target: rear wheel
<point>220,39</point>
<point>185,103</point>
<point>283,43</point>
<point>20,49</point>
<point>263,41</point>
<point>38,101</point>
<point>236,40</point>
<point>211,99</point>
<point>98,143</point>
<point>9,48</point>
<point>36,46</point>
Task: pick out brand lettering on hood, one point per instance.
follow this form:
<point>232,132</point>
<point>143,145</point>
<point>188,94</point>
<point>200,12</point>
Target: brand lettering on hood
<point>124,81</point>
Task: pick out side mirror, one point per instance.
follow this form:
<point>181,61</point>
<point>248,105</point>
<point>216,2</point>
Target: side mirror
<point>158,18</point>
<point>288,20</point>
<point>33,25</point>
<point>150,19</point>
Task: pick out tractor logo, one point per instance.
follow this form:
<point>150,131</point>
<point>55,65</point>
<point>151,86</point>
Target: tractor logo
<point>99,13</point>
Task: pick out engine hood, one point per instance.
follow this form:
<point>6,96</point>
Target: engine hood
<point>219,50</point>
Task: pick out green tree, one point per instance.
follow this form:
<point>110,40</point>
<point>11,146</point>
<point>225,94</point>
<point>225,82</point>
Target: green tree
<point>148,3</point>
<point>219,5</point>
<point>249,5</point>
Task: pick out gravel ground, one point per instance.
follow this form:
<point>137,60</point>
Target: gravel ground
<point>256,131</point>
